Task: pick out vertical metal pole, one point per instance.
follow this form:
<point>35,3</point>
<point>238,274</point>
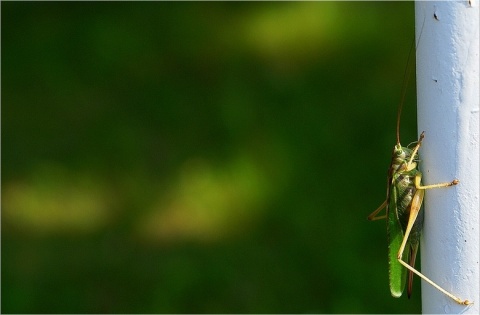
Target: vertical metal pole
<point>448,112</point>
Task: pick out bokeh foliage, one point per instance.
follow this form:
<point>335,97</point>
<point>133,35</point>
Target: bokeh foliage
<point>191,157</point>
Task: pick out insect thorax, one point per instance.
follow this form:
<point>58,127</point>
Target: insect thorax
<point>403,182</point>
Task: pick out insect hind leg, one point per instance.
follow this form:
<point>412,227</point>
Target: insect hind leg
<point>436,286</point>
<point>414,210</point>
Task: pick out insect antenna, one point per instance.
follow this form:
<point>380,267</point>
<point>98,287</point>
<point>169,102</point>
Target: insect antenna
<point>406,77</point>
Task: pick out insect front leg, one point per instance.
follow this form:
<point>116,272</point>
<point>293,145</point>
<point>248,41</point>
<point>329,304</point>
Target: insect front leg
<point>415,150</point>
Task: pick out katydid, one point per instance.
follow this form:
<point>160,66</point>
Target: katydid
<point>404,214</point>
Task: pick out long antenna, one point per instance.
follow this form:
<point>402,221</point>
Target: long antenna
<point>406,77</point>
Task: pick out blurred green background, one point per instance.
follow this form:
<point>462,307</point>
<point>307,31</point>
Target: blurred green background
<point>192,157</point>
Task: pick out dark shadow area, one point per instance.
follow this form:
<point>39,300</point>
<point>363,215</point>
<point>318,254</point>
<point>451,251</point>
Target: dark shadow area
<point>200,157</point>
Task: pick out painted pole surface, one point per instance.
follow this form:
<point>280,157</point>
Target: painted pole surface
<point>448,111</point>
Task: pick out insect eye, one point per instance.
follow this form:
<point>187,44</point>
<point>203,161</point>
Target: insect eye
<point>400,153</point>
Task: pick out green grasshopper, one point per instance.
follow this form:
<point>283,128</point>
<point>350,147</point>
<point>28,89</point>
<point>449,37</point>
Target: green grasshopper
<point>404,214</point>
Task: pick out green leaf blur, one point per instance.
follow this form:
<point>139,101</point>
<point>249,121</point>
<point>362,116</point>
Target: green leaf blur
<point>200,157</point>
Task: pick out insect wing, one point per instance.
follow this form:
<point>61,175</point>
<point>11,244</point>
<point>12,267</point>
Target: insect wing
<point>397,273</point>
